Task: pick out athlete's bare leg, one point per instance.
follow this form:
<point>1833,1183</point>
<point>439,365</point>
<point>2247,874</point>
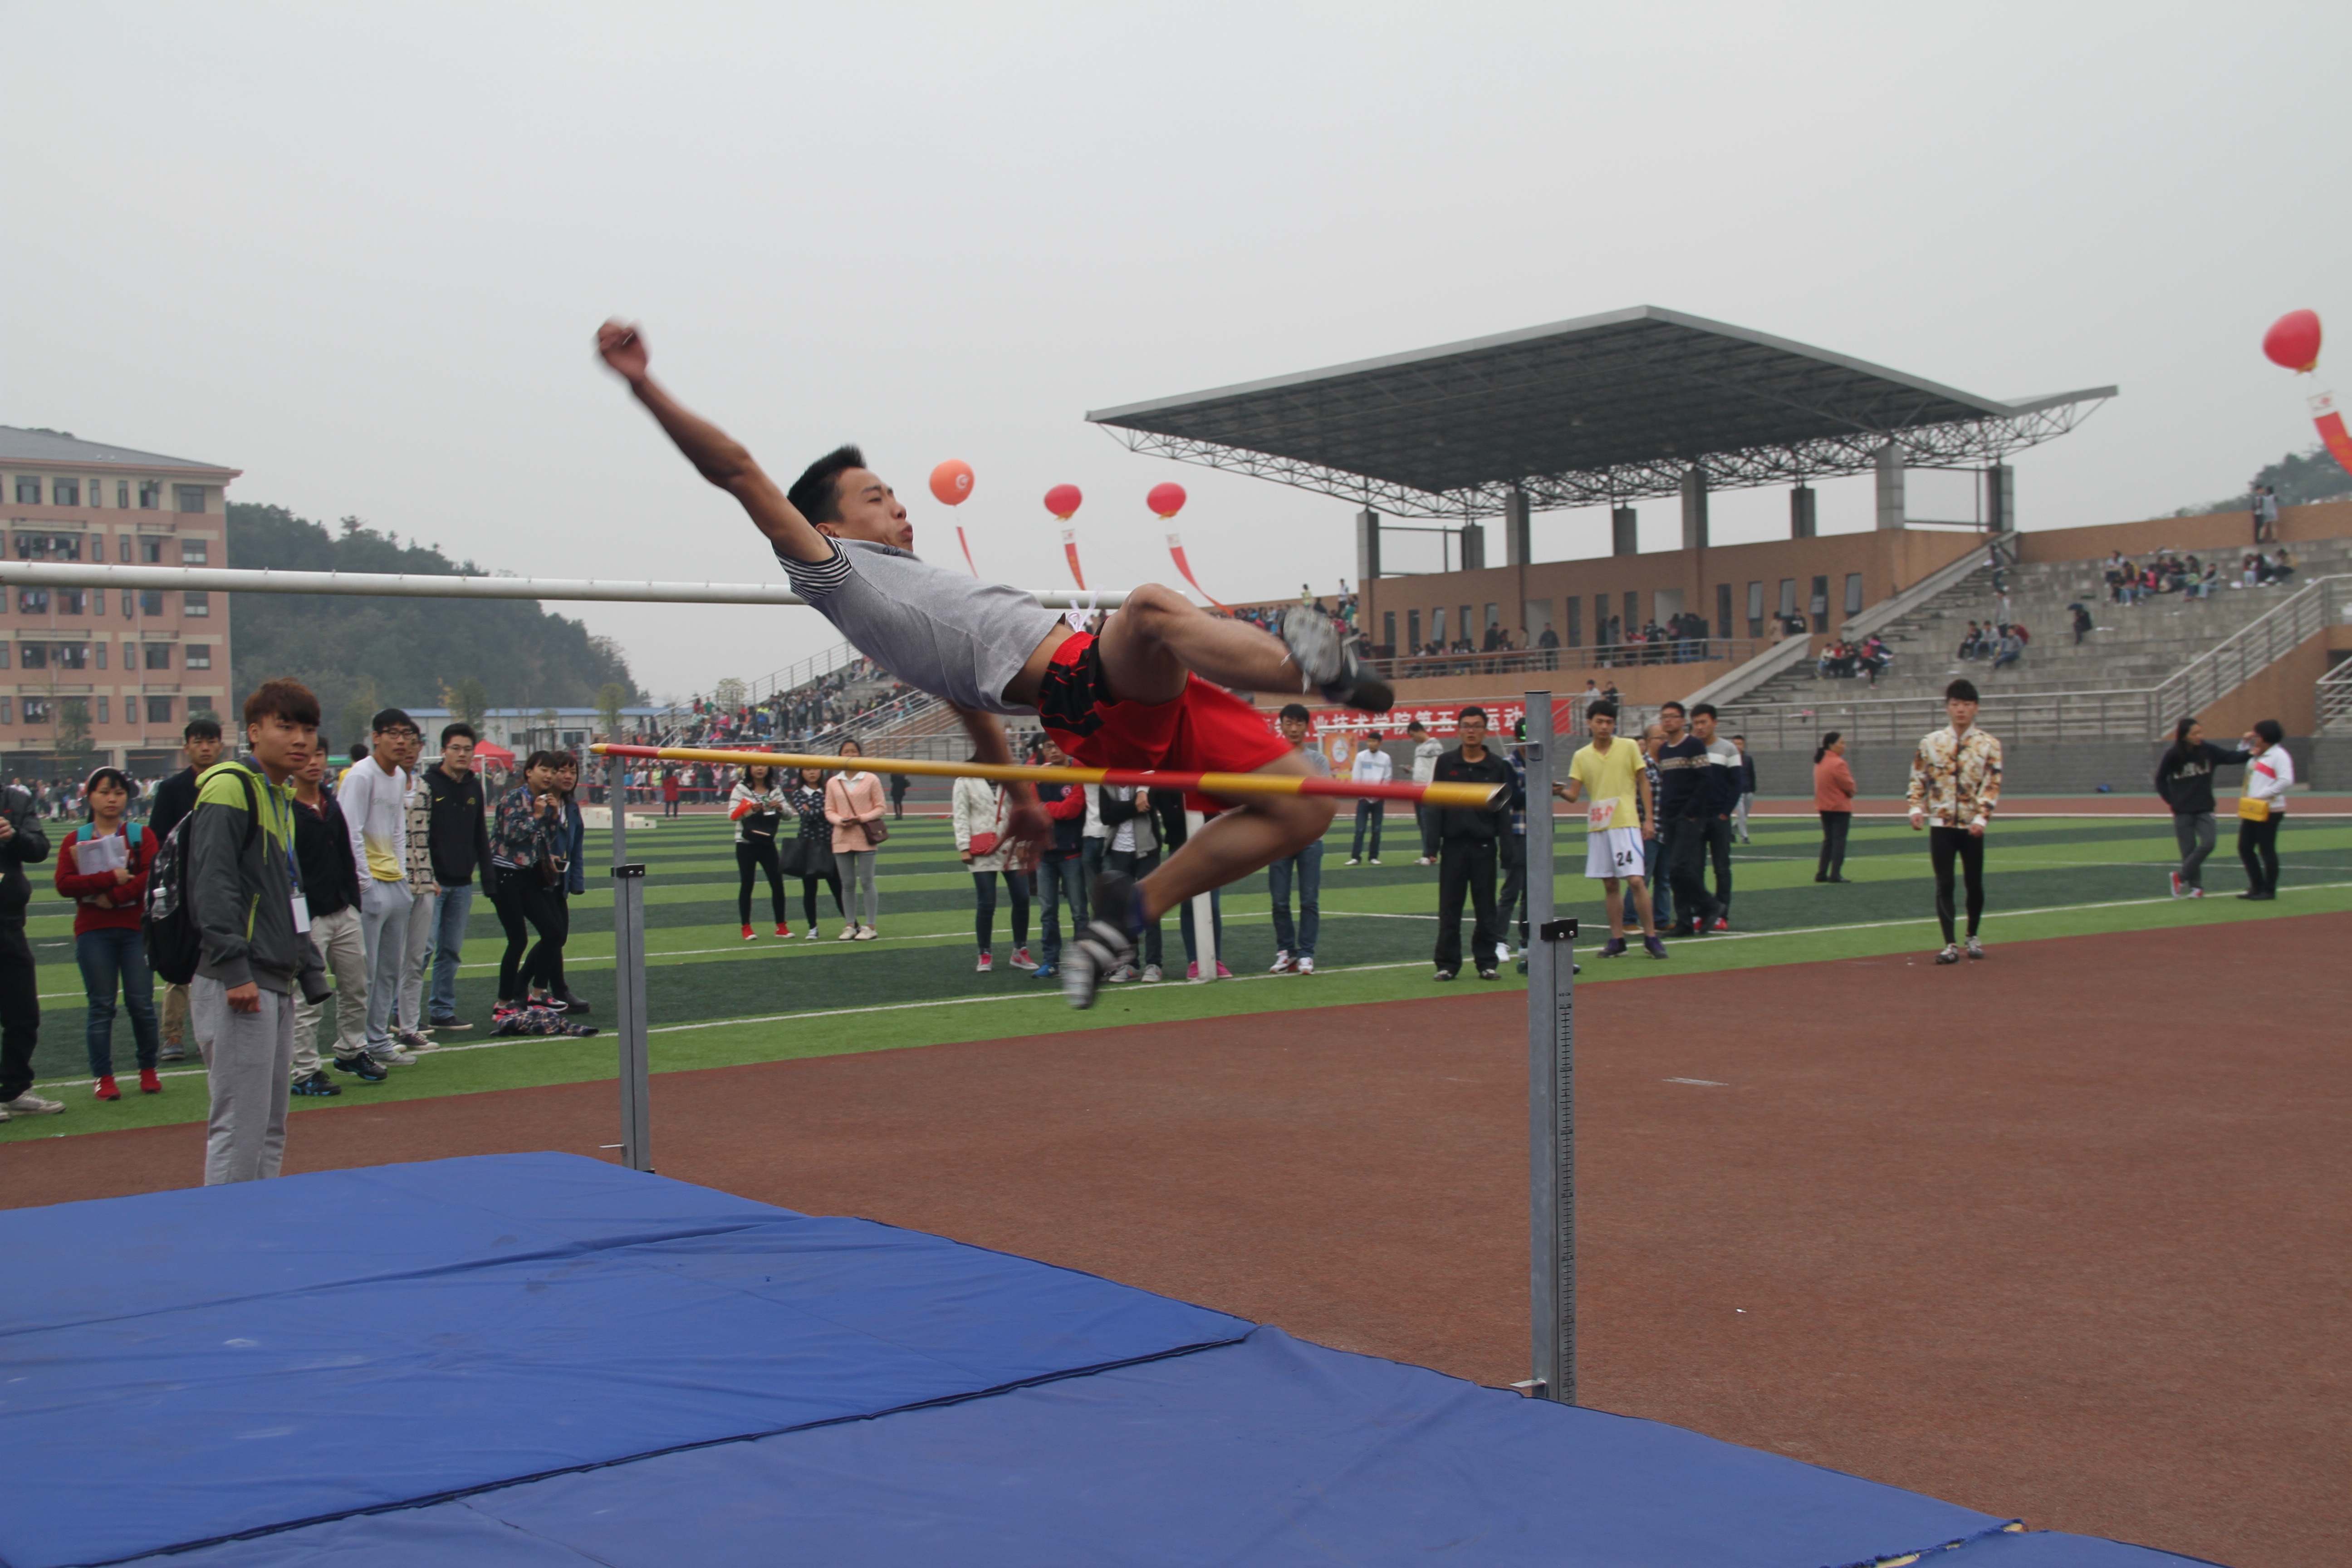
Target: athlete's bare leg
<point>1254,834</point>
<point>1158,635</point>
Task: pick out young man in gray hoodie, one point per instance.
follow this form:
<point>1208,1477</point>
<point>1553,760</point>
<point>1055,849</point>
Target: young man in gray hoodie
<point>254,930</point>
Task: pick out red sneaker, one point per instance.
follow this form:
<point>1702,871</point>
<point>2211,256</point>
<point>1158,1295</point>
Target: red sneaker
<point>747,933</point>
<point>105,1089</point>
<point>784,931</point>
<point>1722,923</point>
<point>148,1082</point>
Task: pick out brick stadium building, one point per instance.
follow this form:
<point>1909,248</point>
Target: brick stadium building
<point>133,665</point>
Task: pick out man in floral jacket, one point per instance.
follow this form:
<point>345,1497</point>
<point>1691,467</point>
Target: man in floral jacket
<point>1955,785</point>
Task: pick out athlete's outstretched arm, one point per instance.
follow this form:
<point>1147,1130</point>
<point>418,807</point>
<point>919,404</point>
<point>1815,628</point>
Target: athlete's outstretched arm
<point>1026,820</point>
<point>716,455</point>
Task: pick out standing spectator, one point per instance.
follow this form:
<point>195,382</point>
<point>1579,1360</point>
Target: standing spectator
<point>1513,846</point>
<point>899,783</point>
<point>572,835</point>
<point>758,805</point>
<point>1548,640</point>
<point>22,843</point>
<point>254,958</point>
<point>1834,798</point>
<point>373,798</point>
<point>1295,945</point>
<point>527,843</point>
<point>424,905</point>
<point>1746,783</point>
<point>853,803</point>
<point>1686,809</point>
<point>671,788</point>
<point>1425,752</point>
<point>331,891</point>
<point>1466,863</point>
<point>2266,516</point>
<point>1955,786</point>
<point>1723,775</point>
<point>812,855</point>
<point>2262,808</point>
<point>1060,861</point>
<point>102,867</point>
<point>199,743</point>
<point>2184,782</point>
<point>459,841</point>
<point>1372,765</point>
<point>978,811</point>
<point>1620,824</point>
<point>1132,850</point>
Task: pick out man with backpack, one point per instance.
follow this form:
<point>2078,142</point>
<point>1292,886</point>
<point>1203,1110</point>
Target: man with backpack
<point>175,797</point>
<point>241,892</point>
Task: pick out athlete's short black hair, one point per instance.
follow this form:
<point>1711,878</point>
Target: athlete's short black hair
<point>1962,692</point>
<point>1603,709</point>
<point>816,494</point>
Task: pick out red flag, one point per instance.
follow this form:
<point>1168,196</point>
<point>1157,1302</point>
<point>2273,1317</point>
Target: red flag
<point>2324,414</point>
<point>967,549</point>
<point>1070,549</point>
<point>1176,549</point>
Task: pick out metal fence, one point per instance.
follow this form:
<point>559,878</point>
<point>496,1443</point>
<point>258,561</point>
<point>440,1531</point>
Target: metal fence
<point>2335,694</point>
<point>1544,660</point>
<point>2238,658</point>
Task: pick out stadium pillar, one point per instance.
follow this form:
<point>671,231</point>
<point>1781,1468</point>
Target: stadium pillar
<point>1802,516</point>
<point>1368,549</point>
<point>629,979</point>
<point>1694,507</point>
<point>1890,486</point>
<point>1624,539</point>
<point>1551,1084</point>
<point>1518,532</point>
<point>2000,499</point>
<point>1473,547</point>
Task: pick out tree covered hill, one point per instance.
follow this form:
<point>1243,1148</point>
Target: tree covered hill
<point>361,654</point>
<point>2300,478</point>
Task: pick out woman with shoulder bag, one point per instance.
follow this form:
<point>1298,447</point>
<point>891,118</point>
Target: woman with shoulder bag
<point>2262,808</point>
<point>809,856</point>
<point>759,806</point>
<point>979,813</point>
<point>854,804</point>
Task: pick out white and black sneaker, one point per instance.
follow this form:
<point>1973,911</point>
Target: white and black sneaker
<point>1951,954</point>
<point>1326,665</point>
<point>1975,948</point>
<point>1104,949</point>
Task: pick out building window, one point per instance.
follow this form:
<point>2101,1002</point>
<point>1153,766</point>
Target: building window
<point>69,655</point>
<point>36,710</point>
<point>150,601</point>
<point>36,655</point>
<point>195,604</point>
<point>158,710</point>
<point>150,551</point>
<point>101,656</point>
<point>1788,597</point>
<point>73,601</point>
<point>1575,605</point>
<point>1854,593</point>
<point>159,656</point>
<point>1437,626</point>
<point>1755,609</point>
<point>1413,628</point>
<point>1388,631</point>
<point>196,656</point>
<point>65,492</point>
<point>6,716</point>
<point>1462,626</point>
<point>192,552</point>
<point>32,601</point>
<point>1633,611</point>
<point>1723,609</point>
<point>28,491</point>
<point>150,495</point>
<point>4,656</point>
<point>102,710</point>
<point>122,494</point>
<point>188,498</point>
<point>49,547</point>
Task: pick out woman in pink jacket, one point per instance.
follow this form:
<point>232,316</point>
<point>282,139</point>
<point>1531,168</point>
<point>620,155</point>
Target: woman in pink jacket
<point>854,804</point>
<point>1834,798</point>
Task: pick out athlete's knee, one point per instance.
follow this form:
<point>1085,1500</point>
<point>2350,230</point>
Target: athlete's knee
<point>1153,601</point>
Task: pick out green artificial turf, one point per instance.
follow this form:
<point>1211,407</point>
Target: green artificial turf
<point>716,1000</point>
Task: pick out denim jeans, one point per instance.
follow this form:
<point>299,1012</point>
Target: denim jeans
<point>449,920</point>
<point>1059,882</point>
<point>1127,863</point>
<point>1307,866</point>
<point>1369,812</point>
<point>110,958</point>
<point>1016,886</point>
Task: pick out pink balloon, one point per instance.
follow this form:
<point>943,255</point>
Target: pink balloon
<point>1166,499</point>
<point>1063,501</point>
<point>2293,340</point>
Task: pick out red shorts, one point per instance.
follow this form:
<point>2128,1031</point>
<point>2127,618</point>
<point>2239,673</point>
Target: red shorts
<point>1206,730</point>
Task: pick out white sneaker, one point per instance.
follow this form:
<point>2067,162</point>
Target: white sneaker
<point>31,1104</point>
<point>1152,975</point>
<point>1306,966</point>
<point>987,963</point>
<point>814,934</point>
<point>1282,964</point>
<point>849,932</point>
<point>1373,862</point>
<point>394,1058</point>
<point>867,933</point>
<point>1353,861</point>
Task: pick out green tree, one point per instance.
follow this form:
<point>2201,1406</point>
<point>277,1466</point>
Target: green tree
<point>70,745</point>
<point>611,698</point>
<point>2300,480</point>
<point>467,699</point>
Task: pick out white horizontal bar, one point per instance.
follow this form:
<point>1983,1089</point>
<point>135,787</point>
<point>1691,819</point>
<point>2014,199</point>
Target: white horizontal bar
<point>222,579</point>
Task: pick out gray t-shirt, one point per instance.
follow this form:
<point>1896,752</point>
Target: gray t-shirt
<point>933,628</point>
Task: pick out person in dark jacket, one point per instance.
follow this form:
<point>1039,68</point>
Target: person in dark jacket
<point>1689,798</point>
<point>2184,781</point>
<point>1465,855</point>
<point>459,842</point>
<point>22,843</point>
<point>1061,864</point>
<point>257,954</point>
<point>199,743</point>
<point>331,889</point>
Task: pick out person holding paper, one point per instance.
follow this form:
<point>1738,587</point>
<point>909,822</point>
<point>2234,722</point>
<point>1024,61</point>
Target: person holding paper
<point>102,867</point>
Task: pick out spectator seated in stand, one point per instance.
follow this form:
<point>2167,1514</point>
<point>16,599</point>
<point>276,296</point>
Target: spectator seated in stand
<point>2012,647</point>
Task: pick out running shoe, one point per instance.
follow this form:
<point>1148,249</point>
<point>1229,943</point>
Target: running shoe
<point>987,963</point>
<point>849,932</point>
<point>1105,949</point>
<point>1951,954</point>
<point>317,1083</point>
<point>449,1024</point>
<point>1446,974</point>
<point>1152,974</point>
<point>363,1066</point>
<point>782,929</point>
<point>2178,891</point>
<point>1722,923</point>
<point>1613,948</point>
<point>1653,947</point>
<point>31,1104</point>
<point>394,1058</point>
<point>1486,973</point>
<point>1975,948</point>
<point>148,1082</point>
<point>1326,665</point>
<point>1373,862</point>
<point>171,1053</point>
<point>1121,976</point>
<point>749,934</point>
<point>1306,966</point>
<point>1047,972</point>
<point>104,1088</point>
<point>1223,972</point>
<point>814,934</point>
<point>867,933</point>
<point>1283,964</point>
<point>2196,892</point>
<point>1353,861</point>
<point>409,1040</point>
<point>1021,958</point>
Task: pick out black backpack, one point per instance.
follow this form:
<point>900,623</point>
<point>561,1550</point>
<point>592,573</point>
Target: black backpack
<point>167,924</point>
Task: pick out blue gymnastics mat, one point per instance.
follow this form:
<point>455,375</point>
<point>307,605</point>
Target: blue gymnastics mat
<point>533,1361</point>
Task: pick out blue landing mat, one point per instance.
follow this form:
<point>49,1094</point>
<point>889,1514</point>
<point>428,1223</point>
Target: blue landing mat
<point>185,1366</point>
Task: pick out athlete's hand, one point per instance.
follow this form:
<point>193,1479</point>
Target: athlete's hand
<point>1027,823</point>
<point>624,347</point>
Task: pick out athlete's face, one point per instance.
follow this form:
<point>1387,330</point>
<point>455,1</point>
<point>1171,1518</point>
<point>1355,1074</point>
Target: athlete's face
<point>869,511</point>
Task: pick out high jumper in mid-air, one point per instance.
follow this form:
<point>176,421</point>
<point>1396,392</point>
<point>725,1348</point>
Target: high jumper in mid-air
<point>1149,693</point>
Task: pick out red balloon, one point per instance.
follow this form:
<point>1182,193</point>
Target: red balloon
<point>1063,501</point>
<point>1166,500</point>
<point>951,482</point>
<point>2293,340</point>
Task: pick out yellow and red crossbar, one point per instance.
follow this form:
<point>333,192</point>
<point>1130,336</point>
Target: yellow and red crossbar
<point>1456,794</point>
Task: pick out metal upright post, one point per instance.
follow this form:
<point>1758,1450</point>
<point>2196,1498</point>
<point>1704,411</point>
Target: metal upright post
<point>1205,911</point>
<point>629,980</point>
<point>1551,1084</point>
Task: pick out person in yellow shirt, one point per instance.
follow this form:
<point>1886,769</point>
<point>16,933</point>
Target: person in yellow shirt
<point>1619,817</point>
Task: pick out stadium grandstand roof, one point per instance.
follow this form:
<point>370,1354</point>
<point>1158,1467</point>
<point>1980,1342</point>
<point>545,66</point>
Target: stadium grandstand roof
<point>1601,410</point>
<point>61,449</point>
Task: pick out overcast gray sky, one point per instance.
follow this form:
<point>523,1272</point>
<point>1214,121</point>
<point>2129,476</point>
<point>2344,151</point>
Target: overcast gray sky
<point>360,251</point>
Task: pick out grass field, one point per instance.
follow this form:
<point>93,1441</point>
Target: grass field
<point>716,1000</point>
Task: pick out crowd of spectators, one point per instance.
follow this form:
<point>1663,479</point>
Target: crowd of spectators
<point>1845,660</point>
<point>2172,573</point>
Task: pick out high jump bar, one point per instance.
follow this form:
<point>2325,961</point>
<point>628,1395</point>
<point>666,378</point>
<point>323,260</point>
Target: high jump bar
<point>1470,795</point>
